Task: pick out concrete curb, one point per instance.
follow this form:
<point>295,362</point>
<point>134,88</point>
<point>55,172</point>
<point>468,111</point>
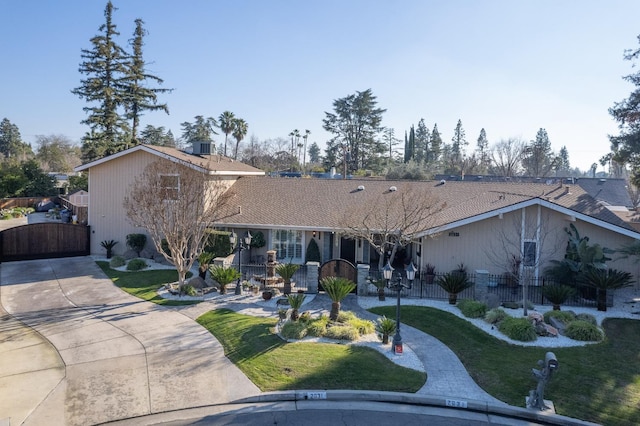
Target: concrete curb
<point>419,400</point>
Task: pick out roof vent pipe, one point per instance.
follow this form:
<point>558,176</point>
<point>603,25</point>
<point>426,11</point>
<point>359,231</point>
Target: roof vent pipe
<point>393,189</point>
<point>361,188</point>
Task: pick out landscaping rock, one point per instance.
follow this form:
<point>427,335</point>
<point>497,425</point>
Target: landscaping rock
<point>150,253</point>
<point>558,325</point>
<point>197,282</point>
<point>130,254</point>
<point>492,301</point>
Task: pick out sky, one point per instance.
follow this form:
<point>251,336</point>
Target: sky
<point>510,67</point>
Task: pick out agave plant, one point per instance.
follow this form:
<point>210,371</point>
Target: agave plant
<point>223,276</point>
<point>557,294</point>
<point>337,288</point>
<point>603,280</point>
<point>286,271</point>
<point>295,301</point>
<point>454,283</point>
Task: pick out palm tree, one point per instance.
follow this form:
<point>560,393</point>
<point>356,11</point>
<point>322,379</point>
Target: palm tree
<point>223,276</point>
<point>227,125</point>
<point>286,271</point>
<point>603,280</point>
<point>295,301</point>
<point>337,288</point>
<point>307,132</point>
<point>239,132</point>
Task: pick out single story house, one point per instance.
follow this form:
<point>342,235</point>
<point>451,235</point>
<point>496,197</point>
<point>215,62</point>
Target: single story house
<point>482,225</point>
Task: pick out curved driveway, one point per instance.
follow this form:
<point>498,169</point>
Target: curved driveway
<point>77,348</point>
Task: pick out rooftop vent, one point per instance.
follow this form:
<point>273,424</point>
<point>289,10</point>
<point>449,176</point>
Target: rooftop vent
<point>393,189</point>
<point>442,182</point>
<point>203,147</point>
<point>360,187</point>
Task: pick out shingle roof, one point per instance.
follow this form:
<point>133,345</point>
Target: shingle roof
<point>213,164</point>
<point>321,203</point>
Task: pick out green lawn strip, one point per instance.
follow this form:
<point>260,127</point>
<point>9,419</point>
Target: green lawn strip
<point>273,364</point>
<point>598,382</point>
<point>145,284</point>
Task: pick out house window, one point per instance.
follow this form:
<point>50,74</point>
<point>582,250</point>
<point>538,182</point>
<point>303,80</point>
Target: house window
<point>529,251</point>
<point>169,186</point>
<point>288,244</point>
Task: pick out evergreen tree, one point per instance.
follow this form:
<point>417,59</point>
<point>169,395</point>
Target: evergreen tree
<point>391,142</point>
<point>356,123</point>
<point>539,160</point>
<point>11,144</point>
<point>104,65</point>
<point>422,142</point>
<point>39,183</point>
<point>626,146</point>
<point>458,143</point>
<point>409,145</point>
<point>138,96</point>
<point>435,148</point>
<point>563,167</point>
<point>314,153</point>
<point>157,136</point>
<point>202,130</point>
<point>484,158</point>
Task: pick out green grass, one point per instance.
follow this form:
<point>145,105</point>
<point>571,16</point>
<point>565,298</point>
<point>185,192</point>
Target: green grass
<point>598,382</point>
<point>145,284</point>
<point>273,364</point>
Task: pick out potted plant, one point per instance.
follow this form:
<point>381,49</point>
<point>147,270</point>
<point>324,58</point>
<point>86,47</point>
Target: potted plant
<point>295,301</point>
<point>223,276</point>
<point>286,271</point>
<point>255,289</point>
<point>108,245</point>
<point>267,294</point>
<point>385,327</point>
<point>429,273</point>
<point>454,283</point>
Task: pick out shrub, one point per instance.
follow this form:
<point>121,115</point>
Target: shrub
<point>454,283</point>
<point>136,265</point>
<point>494,316</point>
<point>583,331</point>
<point>472,308</point>
<point>294,330</point>
<point>136,242</point>
<point>588,318</point>
<point>342,332</point>
<point>385,327</point>
<point>317,327</point>
<point>557,294</point>
<point>563,316</point>
<point>117,261</point>
<point>362,325</point>
<point>520,329</point>
<point>346,316</point>
<point>189,290</point>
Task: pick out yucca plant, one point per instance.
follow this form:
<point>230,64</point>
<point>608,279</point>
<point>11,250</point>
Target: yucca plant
<point>223,276</point>
<point>557,294</point>
<point>337,288</point>
<point>603,280</point>
<point>454,283</point>
<point>295,301</point>
<point>286,271</point>
<point>385,327</point>
<point>109,245</point>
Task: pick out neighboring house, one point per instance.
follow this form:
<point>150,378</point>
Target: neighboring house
<point>110,178</point>
<point>483,225</point>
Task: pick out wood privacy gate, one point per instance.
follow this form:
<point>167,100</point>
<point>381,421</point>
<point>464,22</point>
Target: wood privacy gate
<point>44,240</point>
<point>338,268</point>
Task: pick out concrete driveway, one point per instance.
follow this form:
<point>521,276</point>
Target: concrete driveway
<point>77,350</point>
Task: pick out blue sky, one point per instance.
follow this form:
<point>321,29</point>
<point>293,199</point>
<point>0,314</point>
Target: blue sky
<point>511,67</point>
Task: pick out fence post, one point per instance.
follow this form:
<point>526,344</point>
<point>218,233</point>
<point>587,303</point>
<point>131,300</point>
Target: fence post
<point>482,282</point>
<point>313,269</point>
<point>362,275</point>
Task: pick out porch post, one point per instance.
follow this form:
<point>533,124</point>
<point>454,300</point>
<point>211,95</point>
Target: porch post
<point>313,269</point>
<point>362,275</point>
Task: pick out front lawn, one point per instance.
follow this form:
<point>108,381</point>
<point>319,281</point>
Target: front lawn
<point>145,284</point>
<point>273,364</point>
<point>598,382</point>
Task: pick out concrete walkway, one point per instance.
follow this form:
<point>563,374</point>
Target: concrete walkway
<point>76,350</point>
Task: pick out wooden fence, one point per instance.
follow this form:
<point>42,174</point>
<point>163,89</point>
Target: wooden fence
<point>81,211</point>
<point>44,240</point>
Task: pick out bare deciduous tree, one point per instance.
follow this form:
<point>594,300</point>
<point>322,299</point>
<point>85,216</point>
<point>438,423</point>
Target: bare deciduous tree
<point>507,156</point>
<point>179,204</point>
<point>394,220</point>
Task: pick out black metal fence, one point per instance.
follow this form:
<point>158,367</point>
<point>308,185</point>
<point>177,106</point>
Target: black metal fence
<point>506,288</point>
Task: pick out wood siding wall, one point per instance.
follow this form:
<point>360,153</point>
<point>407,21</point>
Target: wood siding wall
<point>43,240</point>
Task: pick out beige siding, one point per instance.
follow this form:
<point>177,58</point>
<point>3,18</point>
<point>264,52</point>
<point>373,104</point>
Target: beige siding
<point>483,245</point>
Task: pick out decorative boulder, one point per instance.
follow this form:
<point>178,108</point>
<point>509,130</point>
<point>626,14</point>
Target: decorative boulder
<point>130,254</point>
<point>558,325</point>
<point>197,282</point>
<point>492,301</point>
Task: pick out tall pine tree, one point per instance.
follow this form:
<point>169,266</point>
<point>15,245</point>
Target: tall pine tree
<point>104,66</point>
<point>138,97</point>
<point>482,147</point>
<point>422,142</point>
<point>435,148</point>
